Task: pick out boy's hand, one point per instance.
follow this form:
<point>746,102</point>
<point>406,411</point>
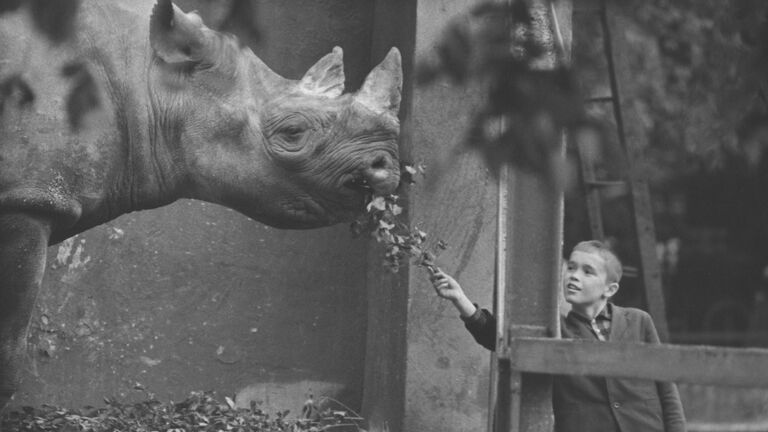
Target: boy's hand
<point>445,286</point>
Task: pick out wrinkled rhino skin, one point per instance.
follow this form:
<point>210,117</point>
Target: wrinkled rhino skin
<point>184,112</point>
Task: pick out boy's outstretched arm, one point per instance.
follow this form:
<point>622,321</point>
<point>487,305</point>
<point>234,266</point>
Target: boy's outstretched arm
<point>480,323</point>
<point>447,288</point>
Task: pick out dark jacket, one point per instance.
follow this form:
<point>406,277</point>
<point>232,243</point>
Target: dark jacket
<point>595,404</point>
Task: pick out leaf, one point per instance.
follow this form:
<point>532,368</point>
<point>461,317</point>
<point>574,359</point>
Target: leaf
<point>15,86</point>
<point>241,21</point>
<point>407,174</point>
<point>377,203</point>
<point>9,5</point>
<point>84,95</point>
<point>230,402</point>
<point>55,19</point>
<point>356,227</point>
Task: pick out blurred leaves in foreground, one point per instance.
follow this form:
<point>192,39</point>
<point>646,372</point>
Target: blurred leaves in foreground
<point>529,99</point>
<point>54,19</point>
<point>84,96</point>
<point>240,20</point>
<point>14,87</point>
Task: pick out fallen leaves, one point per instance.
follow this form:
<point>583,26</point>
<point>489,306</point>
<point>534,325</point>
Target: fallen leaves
<point>201,411</point>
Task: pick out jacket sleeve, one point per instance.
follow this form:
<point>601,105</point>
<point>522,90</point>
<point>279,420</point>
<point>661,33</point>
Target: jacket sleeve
<point>671,407</point>
<point>482,326</point>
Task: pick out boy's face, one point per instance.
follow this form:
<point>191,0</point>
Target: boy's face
<point>585,280</point>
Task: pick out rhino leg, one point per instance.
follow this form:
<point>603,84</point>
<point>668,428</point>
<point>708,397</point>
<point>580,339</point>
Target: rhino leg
<point>23,243</point>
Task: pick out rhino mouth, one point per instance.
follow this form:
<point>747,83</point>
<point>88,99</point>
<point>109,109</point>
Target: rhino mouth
<point>359,184</point>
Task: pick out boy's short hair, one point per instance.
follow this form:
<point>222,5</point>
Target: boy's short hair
<point>613,270</point>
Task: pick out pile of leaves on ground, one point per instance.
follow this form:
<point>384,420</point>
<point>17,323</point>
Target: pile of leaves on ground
<point>201,411</point>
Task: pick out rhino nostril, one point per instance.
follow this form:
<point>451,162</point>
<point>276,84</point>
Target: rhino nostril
<point>379,163</point>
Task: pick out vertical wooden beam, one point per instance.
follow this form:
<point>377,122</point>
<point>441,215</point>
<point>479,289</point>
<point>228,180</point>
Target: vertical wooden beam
<point>383,403</point>
<point>533,258</point>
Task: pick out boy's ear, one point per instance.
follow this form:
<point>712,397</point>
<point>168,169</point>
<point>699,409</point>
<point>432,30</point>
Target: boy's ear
<point>612,288</point>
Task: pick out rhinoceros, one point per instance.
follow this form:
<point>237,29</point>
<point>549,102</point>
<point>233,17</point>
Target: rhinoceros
<point>185,112</point>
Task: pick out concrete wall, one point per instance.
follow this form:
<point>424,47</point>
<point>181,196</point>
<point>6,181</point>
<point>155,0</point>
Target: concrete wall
<point>194,296</point>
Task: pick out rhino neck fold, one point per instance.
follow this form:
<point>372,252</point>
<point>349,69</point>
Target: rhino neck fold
<point>157,175</point>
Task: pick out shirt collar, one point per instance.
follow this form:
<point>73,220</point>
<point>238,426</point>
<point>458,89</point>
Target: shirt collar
<point>604,315</point>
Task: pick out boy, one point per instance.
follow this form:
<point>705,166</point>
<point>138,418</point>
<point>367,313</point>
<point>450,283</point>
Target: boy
<point>585,403</point>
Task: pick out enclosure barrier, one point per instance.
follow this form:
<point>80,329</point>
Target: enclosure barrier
<point>521,355</point>
<point>529,247</point>
<point>741,367</point>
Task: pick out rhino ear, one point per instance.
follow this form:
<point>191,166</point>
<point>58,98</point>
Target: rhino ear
<point>326,77</point>
<point>176,36</point>
<point>381,89</point>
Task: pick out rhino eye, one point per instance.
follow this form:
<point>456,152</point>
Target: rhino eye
<point>292,134</point>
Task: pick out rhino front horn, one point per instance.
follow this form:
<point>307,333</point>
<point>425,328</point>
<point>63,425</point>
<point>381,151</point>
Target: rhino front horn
<point>382,87</point>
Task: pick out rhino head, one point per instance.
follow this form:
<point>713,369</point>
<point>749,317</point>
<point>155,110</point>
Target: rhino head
<point>289,153</point>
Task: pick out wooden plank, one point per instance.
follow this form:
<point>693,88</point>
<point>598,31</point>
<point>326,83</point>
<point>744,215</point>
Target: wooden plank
<point>758,426</point>
<point>739,367</point>
<point>733,338</point>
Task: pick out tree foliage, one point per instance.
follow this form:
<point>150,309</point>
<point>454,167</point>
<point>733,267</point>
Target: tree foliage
<point>702,72</point>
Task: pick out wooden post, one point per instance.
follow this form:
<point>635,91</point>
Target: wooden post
<point>532,254</point>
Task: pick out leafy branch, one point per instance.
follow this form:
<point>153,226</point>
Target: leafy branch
<point>402,243</point>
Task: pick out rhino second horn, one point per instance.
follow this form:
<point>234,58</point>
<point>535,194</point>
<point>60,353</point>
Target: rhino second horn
<point>326,77</point>
<point>381,91</point>
<point>175,36</point>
